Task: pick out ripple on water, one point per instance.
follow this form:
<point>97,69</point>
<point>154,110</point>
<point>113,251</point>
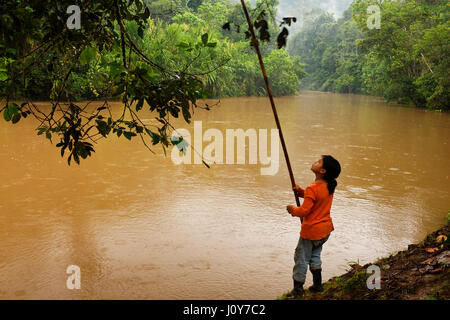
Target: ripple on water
<point>202,239</point>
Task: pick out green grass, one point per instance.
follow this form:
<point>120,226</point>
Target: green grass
<point>336,287</point>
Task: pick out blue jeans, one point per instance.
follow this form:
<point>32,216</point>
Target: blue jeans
<point>307,253</point>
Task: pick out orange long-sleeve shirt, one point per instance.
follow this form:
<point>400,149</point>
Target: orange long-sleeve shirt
<point>315,211</point>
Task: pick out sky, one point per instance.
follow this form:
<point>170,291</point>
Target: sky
<point>304,9</point>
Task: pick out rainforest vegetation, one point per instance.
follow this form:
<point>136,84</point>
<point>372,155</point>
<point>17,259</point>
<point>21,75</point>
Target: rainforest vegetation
<point>167,54</point>
<point>406,60</point>
<point>171,39</point>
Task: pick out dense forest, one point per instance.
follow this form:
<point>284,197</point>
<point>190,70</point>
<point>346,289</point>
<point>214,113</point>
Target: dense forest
<point>173,39</point>
<point>406,60</point>
<point>330,47</point>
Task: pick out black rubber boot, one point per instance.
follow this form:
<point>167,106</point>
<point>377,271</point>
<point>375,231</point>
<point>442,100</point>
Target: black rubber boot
<point>297,291</point>
<point>317,281</point>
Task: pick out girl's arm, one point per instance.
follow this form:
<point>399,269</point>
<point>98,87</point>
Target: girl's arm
<point>307,205</point>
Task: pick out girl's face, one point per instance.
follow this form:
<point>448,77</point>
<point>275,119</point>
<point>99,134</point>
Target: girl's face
<point>317,167</point>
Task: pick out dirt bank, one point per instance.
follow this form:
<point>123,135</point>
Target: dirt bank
<point>420,272</point>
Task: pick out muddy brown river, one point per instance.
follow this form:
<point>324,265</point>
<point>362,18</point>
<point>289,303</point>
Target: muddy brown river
<point>141,227</point>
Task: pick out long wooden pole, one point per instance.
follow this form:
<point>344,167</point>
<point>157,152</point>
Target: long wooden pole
<point>269,91</point>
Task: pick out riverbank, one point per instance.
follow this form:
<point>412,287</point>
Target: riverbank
<point>419,273</point>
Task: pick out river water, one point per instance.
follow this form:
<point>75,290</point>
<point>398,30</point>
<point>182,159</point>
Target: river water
<point>141,227</point>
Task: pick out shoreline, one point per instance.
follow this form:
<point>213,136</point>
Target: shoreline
<point>421,272</point>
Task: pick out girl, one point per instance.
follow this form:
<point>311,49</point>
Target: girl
<point>316,223</point>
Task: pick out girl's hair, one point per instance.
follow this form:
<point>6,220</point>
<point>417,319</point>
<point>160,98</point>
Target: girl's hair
<point>333,169</point>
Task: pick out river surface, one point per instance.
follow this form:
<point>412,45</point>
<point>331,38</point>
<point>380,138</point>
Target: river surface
<point>141,227</point>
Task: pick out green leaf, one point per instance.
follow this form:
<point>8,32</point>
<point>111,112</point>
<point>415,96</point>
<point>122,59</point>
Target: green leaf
<point>103,129</point>
<point>118,90</point>
<point>186,115</point>
<point>87,55</point>
<point>211,44</point>
<point>183,45</point>
<point>155,137</point>
<point>16,118</point>
<point>13,108</point>
<point>127,135</point>
<point>76,158</point>
<point>139,104</point>
<point>41,130</point>
<point>176,140</point>
<point>3,76</point>
<point>6,114</point>
<point>146,14</point>
<point>140,32</point>
<point>205,38</point>
<point>115,68</point>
